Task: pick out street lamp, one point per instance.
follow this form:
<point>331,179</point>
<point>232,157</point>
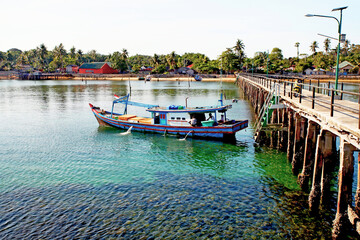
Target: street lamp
<point>339,31</point>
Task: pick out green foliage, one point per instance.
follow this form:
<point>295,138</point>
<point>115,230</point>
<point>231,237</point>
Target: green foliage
<point>118,62</point>
<point>140,60</point>
<point>159,69</point>
<point>229,61</point>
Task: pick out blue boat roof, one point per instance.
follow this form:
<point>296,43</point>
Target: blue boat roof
<point>190,110</point>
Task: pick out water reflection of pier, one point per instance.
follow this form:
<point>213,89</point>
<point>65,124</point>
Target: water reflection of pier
<point>319,130</point>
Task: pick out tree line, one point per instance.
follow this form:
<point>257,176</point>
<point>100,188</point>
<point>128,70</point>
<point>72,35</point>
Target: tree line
<point>231,60</point>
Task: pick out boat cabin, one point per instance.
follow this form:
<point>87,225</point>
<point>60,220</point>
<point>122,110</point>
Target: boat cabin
<point>173,115</point>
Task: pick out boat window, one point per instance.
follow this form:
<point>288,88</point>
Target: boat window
<point>172,118</point>
<point>178,118</point>
<point>183,118</point>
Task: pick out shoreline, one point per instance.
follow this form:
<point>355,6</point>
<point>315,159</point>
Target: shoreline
<point>321,79</point>
<point>174,79</point>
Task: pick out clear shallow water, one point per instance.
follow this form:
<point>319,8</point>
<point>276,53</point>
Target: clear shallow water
<point>62,176</point>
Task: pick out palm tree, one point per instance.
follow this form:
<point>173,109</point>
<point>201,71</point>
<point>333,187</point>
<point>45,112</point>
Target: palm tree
<point>42,53</point>
<point>73,52</point>
<point>124,54</point>
<point>171,59</point>
<point>239,49</point>
<point>346,47</point>
<point>22,60</point>
<point>155,59</point>
<point>314,46</point>
<point>59,54</point>
<point>93,55</point>
<point>327,45</point>
<point>297,45</point>
<point>79,56</point>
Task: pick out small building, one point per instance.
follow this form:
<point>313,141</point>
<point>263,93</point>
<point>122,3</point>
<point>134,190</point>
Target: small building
<point>309,71</point>
<point>146,70</point>
<point>97,68</point>
<point>72,69</point>
<point>345,67</point>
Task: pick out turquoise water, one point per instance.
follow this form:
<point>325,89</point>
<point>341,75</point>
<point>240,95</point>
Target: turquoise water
<point>63,176</point>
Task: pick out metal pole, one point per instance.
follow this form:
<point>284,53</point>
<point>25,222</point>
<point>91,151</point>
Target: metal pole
<point>318,86</point>
<point>332,104</point>
<point>313,98</point>
<point>338,53</point>
<point>284,88</point>
<point>342,89</point>
<point>359,107</point>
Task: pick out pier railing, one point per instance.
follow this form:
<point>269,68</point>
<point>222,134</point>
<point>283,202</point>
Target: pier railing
<point>313,92</point>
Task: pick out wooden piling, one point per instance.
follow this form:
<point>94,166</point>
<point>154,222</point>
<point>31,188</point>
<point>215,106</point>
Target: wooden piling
<point>290,145</point>
<point>346,172</point>
<point>314,197</point>
<point>283,135</point>
<point>273,139</point>
<point>309,156</point>
<point>298,152</point>
<point>357,194</point>
<point>329,157</point>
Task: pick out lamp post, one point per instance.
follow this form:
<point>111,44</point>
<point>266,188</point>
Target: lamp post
<point>339,31</point>
<point>267,64</point>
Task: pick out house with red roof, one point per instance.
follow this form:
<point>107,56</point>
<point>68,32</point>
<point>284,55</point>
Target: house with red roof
<point>97,68</point>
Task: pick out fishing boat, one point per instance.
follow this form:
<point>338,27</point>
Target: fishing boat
<point>174,119</point>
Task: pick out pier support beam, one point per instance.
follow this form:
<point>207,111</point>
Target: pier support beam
<point>290,145</point>
<point>344,190</point>
<point>273,134</point>
<point>324,152</point>
<point>309,156</point>
<point>357,194</point>
<point>328,167</point>
<point>298,152</point>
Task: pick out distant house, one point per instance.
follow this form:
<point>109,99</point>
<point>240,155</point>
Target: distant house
<point>145,70</point>
<point>309,71</point>
<point>26,68</point>
<point>96,68</point>
<point>345,66</point>
<point>72,69</point>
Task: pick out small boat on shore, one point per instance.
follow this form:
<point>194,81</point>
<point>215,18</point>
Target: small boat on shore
<point>176,120</point>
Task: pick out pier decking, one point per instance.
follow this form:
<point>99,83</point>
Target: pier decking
<point>307,127</point>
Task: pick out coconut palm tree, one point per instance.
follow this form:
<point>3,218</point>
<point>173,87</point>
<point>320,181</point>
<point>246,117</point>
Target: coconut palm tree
<point>327,45</point>
<point>59,54</point>
<point>239,50</point>
<point>124,54</point>
<point>346,47</point>
<point>155,59</point>
<point>171,59</point>
<point>314,46</point>
<point>42,52</point>
<point>79,56</point>
<point>297,45</point>
<point>93,55</point>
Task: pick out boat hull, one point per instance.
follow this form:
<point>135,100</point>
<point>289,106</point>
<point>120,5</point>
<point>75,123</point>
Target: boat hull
<point>225,132</point>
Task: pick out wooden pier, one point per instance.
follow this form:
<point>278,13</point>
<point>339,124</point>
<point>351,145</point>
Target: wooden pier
<point>309,128</point>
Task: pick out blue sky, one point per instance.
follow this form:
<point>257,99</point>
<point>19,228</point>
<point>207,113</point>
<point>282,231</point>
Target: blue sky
<point>162,26</point>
